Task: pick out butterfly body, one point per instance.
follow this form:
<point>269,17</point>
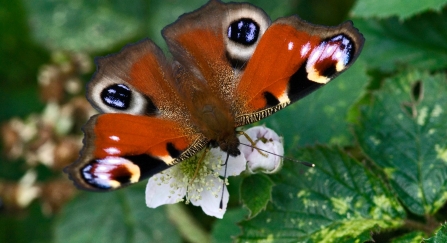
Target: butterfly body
<point>231,66</point>
<point>210,116</point>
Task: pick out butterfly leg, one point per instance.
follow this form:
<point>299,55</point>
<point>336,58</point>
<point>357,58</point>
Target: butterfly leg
<point>253,144</point>
<point>224,182</point>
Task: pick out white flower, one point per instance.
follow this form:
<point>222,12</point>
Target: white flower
<point>266,140</point>
<point>203,189</point>
<point>202,185</point>
<point>27,190</point>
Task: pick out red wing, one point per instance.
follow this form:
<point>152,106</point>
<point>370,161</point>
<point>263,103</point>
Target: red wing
<point>293,59</point>
<point>198,41</point>
<point>121,149</point>
<point>137,80</point>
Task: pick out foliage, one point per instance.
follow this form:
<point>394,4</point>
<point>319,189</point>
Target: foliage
<point>440,236</point>
<point>384,9</point>
<point>377,135</point>
<point>126,220</point>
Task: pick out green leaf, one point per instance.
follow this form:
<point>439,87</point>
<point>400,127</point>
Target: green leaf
<point>20,58</point>
<point>226,229</point>
<point>162,13</point>
<point>26,225</point>
<point>85,25</point>
<point>321,116</point>
<point>120,216</point>
<point>391,43</point>
<point>403,130</point>
<point>439,237</point>
<point>256,192</point>
<point>402,9</point>
<point>275,9</point>
<point>412,237</point>
<point>19,101</point>
<point>337,200</point>
<point>97,25</point>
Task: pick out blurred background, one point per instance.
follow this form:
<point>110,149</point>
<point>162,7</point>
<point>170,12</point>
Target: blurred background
<point>46,57</point>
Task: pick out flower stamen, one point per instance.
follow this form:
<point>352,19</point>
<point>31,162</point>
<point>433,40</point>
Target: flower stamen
<point>198,165</point>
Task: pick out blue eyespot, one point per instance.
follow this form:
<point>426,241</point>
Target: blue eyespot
<point>243,31</point>
<point>117,96</point>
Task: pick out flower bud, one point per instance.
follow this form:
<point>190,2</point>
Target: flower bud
<point>265,139</point>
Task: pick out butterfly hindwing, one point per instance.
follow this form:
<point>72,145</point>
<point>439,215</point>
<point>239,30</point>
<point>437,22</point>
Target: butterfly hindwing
<point>121,149</point>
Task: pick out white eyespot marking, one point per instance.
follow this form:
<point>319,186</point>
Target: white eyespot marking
<point>137,102</point>
<point>87,176</point>
<point>305,49</point>
<point>112,160</point>
<point>290,46</point>
<point>343,54</point>
<point>167,159</point>
<point>284,98</point>
<point>328,51</point>
<point>135,171</point>
<point>340,66</point>
<point>329,57</point>
<point>101,169</point>
<point>238,51</point>
<point>315,54</point>
<point>114,138</point>
<point>102,177</point>
<point>314,75</point>
<point>107,172</point>
<point>112,151</point>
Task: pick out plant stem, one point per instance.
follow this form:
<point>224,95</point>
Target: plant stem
<point>189,228</point>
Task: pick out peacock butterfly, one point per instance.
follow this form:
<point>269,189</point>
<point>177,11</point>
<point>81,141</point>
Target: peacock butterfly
<point>231,66</point>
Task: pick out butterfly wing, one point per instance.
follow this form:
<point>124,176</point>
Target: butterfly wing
<point>138,80</point>
<point>292,59</point>
<point>121,149</point>
<point>145,129</point>
<point>198,42</point>
<point>255,66</point>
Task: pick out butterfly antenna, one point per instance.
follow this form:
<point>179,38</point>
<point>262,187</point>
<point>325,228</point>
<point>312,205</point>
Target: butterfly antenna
<point>308,164</point>
<point>223,183</point>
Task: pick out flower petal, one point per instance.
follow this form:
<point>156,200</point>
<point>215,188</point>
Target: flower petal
<point>210,200</point>
<point>235,165</point>
<point>257,133</point>
<point>270,164</point>
<point>265,139</point>
<point>160,192</point>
